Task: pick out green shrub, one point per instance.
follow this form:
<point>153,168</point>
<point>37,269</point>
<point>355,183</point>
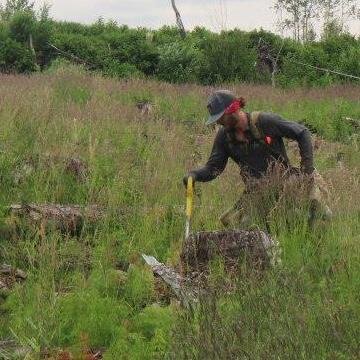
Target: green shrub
<point>16,58</point>
<point>64,66</point>
<point>202,57</point>
<point>87,314</point>
<point>148,336</point>
<point>117,69</point>
<point>179,62</point>
<point>21,26</point>
<point>139,287</point>
<point>229,58</point>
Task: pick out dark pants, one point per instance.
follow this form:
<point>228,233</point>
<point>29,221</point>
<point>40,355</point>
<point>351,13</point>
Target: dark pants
<point>266,192</point>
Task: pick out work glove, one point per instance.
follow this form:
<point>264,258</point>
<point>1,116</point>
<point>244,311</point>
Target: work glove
<point>185,179</point>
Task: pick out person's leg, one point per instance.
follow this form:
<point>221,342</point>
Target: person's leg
<point>317,193</point>
<point>233,214</point>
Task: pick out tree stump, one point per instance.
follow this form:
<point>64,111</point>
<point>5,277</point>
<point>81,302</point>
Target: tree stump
<point>202,247</point>
<point>77,168</point>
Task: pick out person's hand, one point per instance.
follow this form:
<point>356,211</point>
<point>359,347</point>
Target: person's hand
<point>186,178</point>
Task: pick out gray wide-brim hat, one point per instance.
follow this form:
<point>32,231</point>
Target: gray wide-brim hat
<point>217,104</point>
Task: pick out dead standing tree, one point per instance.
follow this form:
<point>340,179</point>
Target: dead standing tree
<point>266,62</point>
<point>178,20</point>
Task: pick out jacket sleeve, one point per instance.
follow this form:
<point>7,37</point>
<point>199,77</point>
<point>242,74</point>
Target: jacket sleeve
<point>216,163</point>
<point>275,126</point>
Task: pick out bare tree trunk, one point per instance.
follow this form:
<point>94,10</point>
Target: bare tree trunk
<point>178,20</point>
<point>273,81</point>
<point>31,45</point>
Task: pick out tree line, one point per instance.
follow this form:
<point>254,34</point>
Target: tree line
<point>300,17</point>
<point>30,41</point>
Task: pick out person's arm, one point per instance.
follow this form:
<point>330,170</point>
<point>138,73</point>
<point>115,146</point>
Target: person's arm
<point>275,126</point>
<point>216,163</point>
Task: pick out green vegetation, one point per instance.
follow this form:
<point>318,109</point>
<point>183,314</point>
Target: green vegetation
<point>31,41</point>
<point>76,297</point>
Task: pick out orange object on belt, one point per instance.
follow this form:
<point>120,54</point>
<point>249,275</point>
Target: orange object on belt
<point>268,140</point>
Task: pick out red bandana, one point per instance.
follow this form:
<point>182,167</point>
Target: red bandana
<point>233,107</point>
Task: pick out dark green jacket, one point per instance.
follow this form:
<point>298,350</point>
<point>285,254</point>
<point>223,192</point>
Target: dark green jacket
<point>255,156</point>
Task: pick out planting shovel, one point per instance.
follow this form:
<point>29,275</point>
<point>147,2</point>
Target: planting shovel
<point>189,205</point>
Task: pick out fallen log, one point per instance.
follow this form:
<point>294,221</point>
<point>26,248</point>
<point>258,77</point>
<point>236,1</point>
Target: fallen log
<point>182,287</point>
<point>66,218</point>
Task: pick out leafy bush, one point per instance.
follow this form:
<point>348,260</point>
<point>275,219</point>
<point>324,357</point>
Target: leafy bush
<point>139,287</point>
<point>229,58</point>
<point>133,47</point>
<point>202,57</point>
<point>21,26</point>
<point>116,69</point>
<point>16,58</point>
<point>86,314</point>
<point>180,62</point>
<point>60,65</point>
<point>294,74</point>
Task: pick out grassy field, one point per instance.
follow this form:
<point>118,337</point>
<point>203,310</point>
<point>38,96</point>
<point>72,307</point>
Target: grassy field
<point>75,297</point>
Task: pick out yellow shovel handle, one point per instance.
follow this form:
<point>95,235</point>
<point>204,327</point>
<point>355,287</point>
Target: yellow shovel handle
<point>189,197</point>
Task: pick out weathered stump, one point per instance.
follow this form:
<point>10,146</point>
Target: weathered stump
<point>77,168</point>
<point>202,247</point>
<point>259,248</point>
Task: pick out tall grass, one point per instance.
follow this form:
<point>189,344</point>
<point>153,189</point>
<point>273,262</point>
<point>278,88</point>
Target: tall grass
<point>76,297</point>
